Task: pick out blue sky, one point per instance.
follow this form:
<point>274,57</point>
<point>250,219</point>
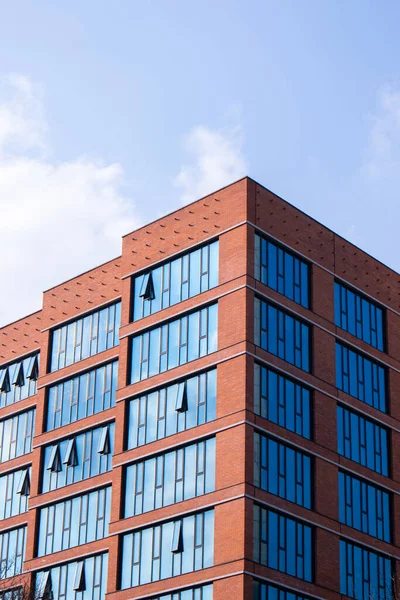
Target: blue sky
<point>112,114</point>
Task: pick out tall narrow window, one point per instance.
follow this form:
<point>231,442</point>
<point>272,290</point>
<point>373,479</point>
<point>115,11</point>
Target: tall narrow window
<point>181,404</point>
<point>104,446</point>
<point>177,538</point>
<point>70,457</point>
<point>19,378</point>
<point>45,591</point>
<point>33,368</point>
<point>5,381</point>
<point>24,485</point>
<point>147,287</point>
<point>54,463</point>
<point>79,577</point>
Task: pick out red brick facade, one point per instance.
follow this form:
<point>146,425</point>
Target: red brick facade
<point>231,215</point>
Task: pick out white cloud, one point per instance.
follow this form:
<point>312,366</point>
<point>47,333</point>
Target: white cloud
<point>57,219</point>
<point>216,160</point>
<point>383,157</point>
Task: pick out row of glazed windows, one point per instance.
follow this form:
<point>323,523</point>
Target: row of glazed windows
<point>85,337</point>
<point>170,478</point>
<point>153,416</point>
<point>286,472</point>
<point>286,544</point>
<point>283,271</point>
<point>167,550</point>
<point>282,401</point>
<point>74,522</point>
<point>80,580</point>
<point>18,381</point>
<point>175,281</point>
<point>276,398</point>
<point>186,545</point>
<point>82,396</point>
<point>89,453</point>
<point>14,492</point>
<point>16,435</point>
<point>196,272</point>
<point>12,552</point>
<point>77,458</point>
<point>175,343</point>
<point>190,471</point>
<point>289,338</point>
<point>87,580</point>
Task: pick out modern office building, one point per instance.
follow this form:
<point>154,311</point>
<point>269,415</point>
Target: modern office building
<point>213,415</point>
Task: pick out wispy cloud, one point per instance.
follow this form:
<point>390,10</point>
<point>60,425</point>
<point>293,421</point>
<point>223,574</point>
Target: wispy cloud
<point>215,159</point>
<point>57,219</point>
<point>383,156</point>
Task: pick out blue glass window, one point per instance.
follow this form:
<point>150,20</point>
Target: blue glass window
<point>359,316</point>
<point>147,554</point>
<point>282,543</point>
<point>82,396</point>
<point>16,435</point>
<point>60,582</point>
<point>281,334</point>
<point>14,492</point>
<point>170,478</point>
<point>84,519</point>
<point>360,377</point>
<point>154,415</point>
<point>282,401</point>
<point>363,441</point>
<point>175,343</point>
<point>77,458</point>
<point>364,574</point>
<point>18,381</point>
<point>175,281</point>
<point>85,337</point>
<point>281,270</point>
<point>14,594</point>
<point>364,506</point>
<point>12,552</point>
<point>266,591</point>
<point>280,470</point>
<point>204,592</point>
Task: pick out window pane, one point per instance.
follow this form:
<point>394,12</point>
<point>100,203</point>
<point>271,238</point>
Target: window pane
<point>281,270</point>
<point>85,337</point>
<point>174,343</point>
<point>359,316</point>
<point>177,280</point>
<point>281,334</point>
